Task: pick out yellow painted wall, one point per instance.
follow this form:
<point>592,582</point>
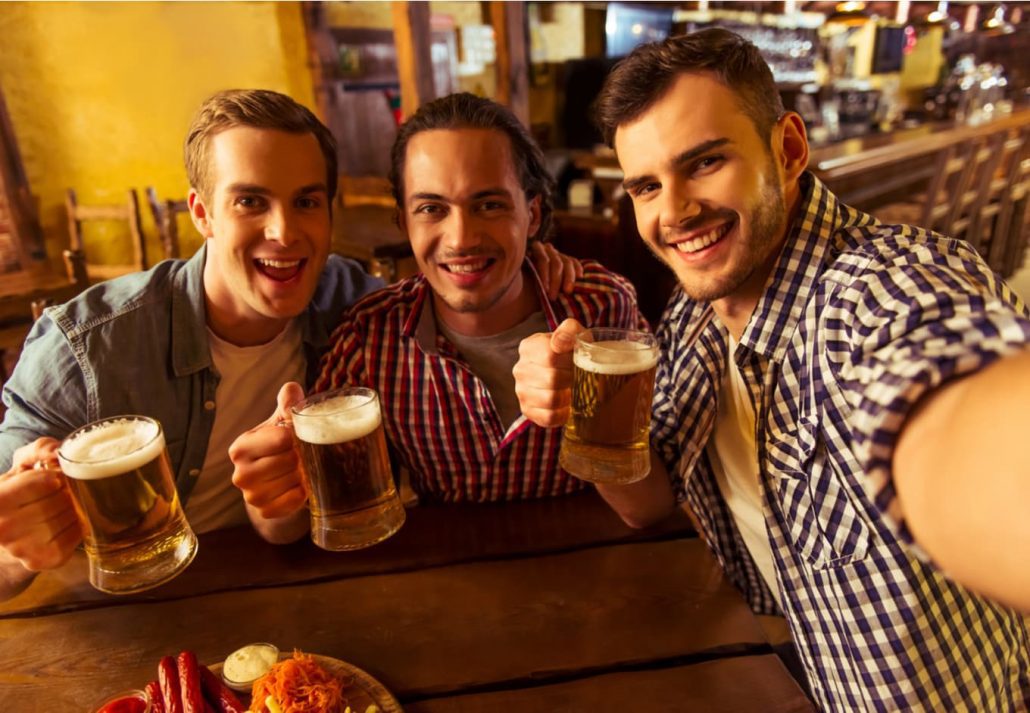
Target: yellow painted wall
<point>100,95</point>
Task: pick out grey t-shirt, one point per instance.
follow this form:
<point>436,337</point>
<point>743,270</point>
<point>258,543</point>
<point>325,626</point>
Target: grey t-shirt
<point>492,359</point>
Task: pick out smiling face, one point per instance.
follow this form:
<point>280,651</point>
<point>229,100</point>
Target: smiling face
<point>469,222</point>
<point>709,195</point>
<point>268,227</point>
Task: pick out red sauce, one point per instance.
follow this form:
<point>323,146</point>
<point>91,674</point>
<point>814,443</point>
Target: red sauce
<point>125,704</point>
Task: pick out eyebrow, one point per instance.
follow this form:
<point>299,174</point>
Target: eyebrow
<point>262,191</point>
<point>478,195</point>
<point>685,157</point>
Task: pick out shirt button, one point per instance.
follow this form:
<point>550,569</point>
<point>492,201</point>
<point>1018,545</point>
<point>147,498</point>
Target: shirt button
<point>194,472</point>
<point>209,405</point>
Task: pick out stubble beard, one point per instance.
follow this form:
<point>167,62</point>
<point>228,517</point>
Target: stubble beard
<point>767,220</point>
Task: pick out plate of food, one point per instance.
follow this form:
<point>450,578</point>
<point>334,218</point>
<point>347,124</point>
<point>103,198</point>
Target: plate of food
<point>311,682</point>
<point>257,679</point>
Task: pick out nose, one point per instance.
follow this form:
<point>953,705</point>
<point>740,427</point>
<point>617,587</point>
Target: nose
<point>679,205</point>
<point>460,231</point>
<point>279,227</point>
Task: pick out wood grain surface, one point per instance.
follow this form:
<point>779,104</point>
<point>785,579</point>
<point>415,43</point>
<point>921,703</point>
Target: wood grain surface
<point>430,632</point>
<point>545,605</point>
<point>728,685</point>
<point>431,537</point>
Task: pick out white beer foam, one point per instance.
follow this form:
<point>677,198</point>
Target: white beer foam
<point>616,357</point>
<point>111,449</point>
<point>338,420</point>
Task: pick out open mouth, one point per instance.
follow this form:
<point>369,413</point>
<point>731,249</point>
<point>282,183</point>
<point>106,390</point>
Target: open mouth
<point>278,269</point>
<point>706,240</point>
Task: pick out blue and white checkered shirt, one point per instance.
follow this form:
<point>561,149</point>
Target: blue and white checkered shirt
<point>858,321</point>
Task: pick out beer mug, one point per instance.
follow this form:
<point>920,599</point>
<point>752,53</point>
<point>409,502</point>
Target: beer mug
<point>346,469</point>
<point>607,437</point>
<point>120,479</point>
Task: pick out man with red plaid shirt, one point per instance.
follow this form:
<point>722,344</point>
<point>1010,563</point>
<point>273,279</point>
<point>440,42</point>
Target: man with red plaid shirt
<point>472,190</point>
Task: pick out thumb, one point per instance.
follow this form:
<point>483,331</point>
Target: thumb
<point>290,394</point>
<point>563,339</point>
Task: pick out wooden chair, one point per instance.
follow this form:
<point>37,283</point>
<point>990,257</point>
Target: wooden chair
<point>1004,214</point>
<point>128,213</point>
<point>166,214</point>
<point>933,209</point>
<point>1015,222</point>
<point>14,330</point>
<point>974,189</point>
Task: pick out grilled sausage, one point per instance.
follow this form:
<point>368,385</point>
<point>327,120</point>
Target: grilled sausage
<point>189,683</point>
<point>224,700</point>
<point>168,677</point>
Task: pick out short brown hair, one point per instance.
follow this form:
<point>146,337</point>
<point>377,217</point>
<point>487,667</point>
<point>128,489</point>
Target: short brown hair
<point>260,109</point>
<point>646,74</point>
<point>467,111</point>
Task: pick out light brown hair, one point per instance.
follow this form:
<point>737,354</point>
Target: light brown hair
<point>257,108</point>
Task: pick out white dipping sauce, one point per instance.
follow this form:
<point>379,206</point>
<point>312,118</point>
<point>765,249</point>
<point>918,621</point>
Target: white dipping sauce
<point>250,662</point>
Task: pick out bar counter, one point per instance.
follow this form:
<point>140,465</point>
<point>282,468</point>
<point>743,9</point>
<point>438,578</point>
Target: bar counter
<point>873,170</point>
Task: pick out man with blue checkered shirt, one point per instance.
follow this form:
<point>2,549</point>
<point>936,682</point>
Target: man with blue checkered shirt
<point>842,404</point>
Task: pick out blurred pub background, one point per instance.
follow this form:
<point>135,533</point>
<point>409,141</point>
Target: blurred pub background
<point>95,98</point>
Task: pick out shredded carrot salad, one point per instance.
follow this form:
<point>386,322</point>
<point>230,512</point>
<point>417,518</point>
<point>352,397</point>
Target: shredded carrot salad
<point>299,685</point>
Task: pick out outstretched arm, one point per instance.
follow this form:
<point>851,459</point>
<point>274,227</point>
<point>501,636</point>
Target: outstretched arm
<point>962,472</point>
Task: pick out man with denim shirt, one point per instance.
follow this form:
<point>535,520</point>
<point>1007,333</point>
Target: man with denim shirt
<point>842,404</point>
<point>262,171</point>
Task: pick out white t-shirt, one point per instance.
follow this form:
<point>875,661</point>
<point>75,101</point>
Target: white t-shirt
<point>734,456</point>
<point>250,379</point>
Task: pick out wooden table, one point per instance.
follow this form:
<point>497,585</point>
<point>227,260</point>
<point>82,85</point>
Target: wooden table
<point>546,605</point>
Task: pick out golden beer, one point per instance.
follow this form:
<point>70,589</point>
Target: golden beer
<point>607,437</point>
<point>346,469</point>
<point>120,479</point>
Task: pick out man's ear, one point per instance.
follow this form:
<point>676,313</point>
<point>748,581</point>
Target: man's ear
<point>791,147</point>
<point>199,213</point>
<point>535,217</point>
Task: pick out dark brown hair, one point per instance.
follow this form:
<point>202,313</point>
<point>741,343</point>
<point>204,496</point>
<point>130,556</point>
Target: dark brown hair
<point>467,111</point>
<point>641,79</point>
<point>258,108</point>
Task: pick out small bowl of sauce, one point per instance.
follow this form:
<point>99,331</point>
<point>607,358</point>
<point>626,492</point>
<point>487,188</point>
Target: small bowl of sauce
<point>247,664</point>
<point>124,702</point>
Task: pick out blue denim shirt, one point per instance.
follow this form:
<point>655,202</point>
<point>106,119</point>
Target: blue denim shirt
<point>139,345</point>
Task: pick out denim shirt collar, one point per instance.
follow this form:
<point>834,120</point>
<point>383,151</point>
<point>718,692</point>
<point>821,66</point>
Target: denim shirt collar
<point>190,350</point>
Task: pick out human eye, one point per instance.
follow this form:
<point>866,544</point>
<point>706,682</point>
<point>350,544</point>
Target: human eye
<point>707,164</point>
<point>645,189</point>
<point>489,206</point>
<point>430,210</point>
<point>248,201</point>
<point>309,202</point>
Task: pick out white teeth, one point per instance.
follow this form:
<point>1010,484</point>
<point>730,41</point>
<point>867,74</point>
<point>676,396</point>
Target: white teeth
<point>281,264</point>
<point>466,267</point>
<point>692,246</point>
